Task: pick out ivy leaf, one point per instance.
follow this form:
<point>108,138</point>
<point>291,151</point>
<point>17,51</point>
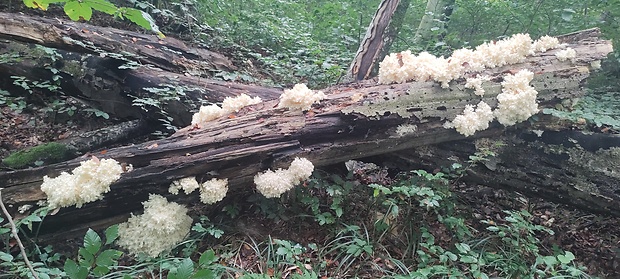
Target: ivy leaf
<point>76,9</point>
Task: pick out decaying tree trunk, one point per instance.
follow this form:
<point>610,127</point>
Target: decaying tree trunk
<point>569,167</point>
<point>355,120</point>
<point>170,54</point>
<point>110,69</point>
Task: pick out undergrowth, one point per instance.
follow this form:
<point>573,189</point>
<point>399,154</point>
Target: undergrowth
<point>363,225</point>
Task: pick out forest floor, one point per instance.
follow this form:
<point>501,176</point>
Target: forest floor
<point>594,239</point>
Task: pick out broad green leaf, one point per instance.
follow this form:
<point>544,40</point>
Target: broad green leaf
<point>41,4</point>
<point>108,257</point>
<point>92,242</point>
<point>6,257</point>
<point>87,258</point>
<point>142,19</point>
<point>566,258</point>
<point>203,274</point>
<point>77,9</point>
<point>102,6</point>
<point>74,271</point>
<point>184,270</point>
<point>99,271</point>
<point>207,258</point>
<point>111,233</point>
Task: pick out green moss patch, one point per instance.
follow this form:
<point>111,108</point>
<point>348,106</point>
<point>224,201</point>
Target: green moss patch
<point>48,153</point>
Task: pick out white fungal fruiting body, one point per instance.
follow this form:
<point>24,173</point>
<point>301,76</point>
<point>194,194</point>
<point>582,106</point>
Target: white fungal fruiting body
<point>213,190</point>
<point>566,54</point>
<point>476,84</point>
<point>300,97</point>
<point>517,102</point>
<point>273,184</point>
<point>187,184</point>
<point>404,66</point>
<point>234,104</point>
<point>162,225</point>
<point>472,120</point>
<point>206,114</point>
<point>545,43</point>
<point>87,183</point>
<point>229,105</point>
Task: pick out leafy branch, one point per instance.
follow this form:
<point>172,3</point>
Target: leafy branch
<point>83,9</point>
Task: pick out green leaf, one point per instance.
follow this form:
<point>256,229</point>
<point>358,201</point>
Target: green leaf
<point>92,242</point>
<point>203,274</point>
<point>567,14</point>
<point>207,258</point>
<point>87,257</point>
<point>111,233</point>
<point>142,19</point>
<point>102,6</point>
<point>41,4</point>
<point>6,257</point>
<point>184,270</point>
<point>74,271</point>
<point>77,9</point>
<point>108,257</point>
<point>468,259</point>
<point>99,271</point>
<point>566,258</point>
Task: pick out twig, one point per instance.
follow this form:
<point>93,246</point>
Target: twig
<point>19,242</point>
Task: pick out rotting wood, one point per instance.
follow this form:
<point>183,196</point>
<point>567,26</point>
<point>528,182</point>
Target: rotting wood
<point>355,120</point>
<point>568,167</point>
<point>99,82</point>
<point>169,54</point>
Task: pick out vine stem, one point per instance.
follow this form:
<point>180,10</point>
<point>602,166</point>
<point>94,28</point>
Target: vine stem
<point>19,242</point>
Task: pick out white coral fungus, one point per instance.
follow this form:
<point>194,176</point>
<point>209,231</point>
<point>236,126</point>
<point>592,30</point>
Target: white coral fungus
<point>187,184</point>
<point>87,183</point>
<point>213,190</point>
<point>545,43</point>
<point>566,54</point>
<point>476,84</point>
<point>404,66</point>
<point>517,102</point>
<point>472,120</point>
<point>299,98</point>
<point>162,225</point>
<point>229,105</point>
<point>273,184</point>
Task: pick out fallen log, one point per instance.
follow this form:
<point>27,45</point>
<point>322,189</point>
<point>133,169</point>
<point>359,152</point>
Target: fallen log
<point>101,83</point>
<point>354,121</point>
<point>569,166</point>
<point>169,54</point>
